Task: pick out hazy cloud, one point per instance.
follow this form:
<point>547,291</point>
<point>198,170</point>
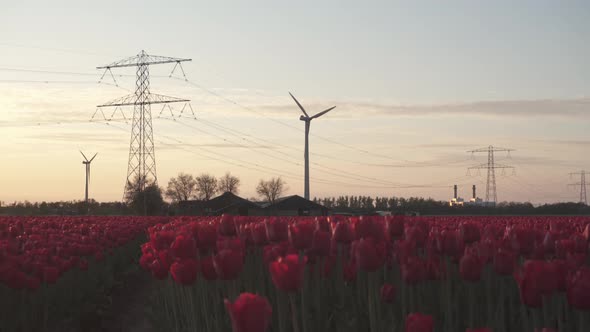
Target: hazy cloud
<point>569,108</point>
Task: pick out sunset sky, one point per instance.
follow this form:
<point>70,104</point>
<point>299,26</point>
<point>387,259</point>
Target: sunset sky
<point>415,84</point>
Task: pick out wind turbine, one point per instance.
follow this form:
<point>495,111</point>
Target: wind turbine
<point>87,163</point>
<point>307,120</point>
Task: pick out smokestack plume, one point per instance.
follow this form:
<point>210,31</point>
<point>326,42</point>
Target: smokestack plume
<point>455,191</point>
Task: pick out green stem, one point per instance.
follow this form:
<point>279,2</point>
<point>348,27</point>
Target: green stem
<point>294,314</point>
<point>583,325</point>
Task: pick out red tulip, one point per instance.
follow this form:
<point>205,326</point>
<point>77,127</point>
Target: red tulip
<point>395,226</point>
<point>287,273</point>
<point>451,243</point>
<point>259,233</point>
<point>536,279</point>
<point>226,226</point>
<point>469,232</point>
<point>564,247</point>
<point>208,268</point>
<point>162,240</point>
<point>369,227</point>
<point>416,235</point>
<point>231,243</point>
<point>470,267</point>
<point>159,270</point>
<point>184,246</point>
<point>342,232</point>
<point>272,252</point>
<point>321,243</point>
<point>416,322</point>
<point>369,255</point>
<point>185,271</point>
<point>50,274</point>
<point>206,236</point>
<point>387,293</point>
<point>249,313</point>
<point>301,235</point>
<point>578,289</point>
<point>228,264</point>
<point>277,229</point>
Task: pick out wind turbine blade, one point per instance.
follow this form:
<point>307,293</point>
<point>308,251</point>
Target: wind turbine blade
<point>84,155</point>
<point>91,159</point>
<point>324,112</point>
<point>298,104</point>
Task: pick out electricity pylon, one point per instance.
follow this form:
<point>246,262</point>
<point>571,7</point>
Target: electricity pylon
<point>582,185</point>
<point>142,156</point>
<point>491,166</point>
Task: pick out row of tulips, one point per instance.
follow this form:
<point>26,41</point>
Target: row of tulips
<point>415,274</point>
<point>52,267</point>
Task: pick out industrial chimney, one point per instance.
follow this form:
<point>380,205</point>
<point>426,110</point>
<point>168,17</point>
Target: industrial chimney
<point>455,191</point>
<point>474,194</point>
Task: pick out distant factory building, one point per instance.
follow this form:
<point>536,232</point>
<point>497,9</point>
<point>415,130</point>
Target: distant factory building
<point>458,201</point>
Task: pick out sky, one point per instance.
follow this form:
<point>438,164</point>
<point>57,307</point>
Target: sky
<point>415,84</point>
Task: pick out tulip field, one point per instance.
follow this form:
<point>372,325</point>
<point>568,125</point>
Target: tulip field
<point>51,266</point>
<point>418,274</point>
<point>304,274</point>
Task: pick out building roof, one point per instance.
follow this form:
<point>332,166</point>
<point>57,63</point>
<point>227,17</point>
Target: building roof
<point>293,202</point>
<point>217,204</point>
<point>229,200</point>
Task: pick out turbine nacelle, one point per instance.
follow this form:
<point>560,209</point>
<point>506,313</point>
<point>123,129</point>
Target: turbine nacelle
<point>306,117</point>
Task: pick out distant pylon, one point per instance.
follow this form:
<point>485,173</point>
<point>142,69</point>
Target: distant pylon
<point>582,184</point>
<point>491,166</point>
<point>142,156</point>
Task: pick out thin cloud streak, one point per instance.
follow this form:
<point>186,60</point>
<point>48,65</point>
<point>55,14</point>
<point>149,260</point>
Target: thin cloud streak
<point>565,108</point>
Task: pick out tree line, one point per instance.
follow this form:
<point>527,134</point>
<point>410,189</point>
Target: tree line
<point>368,204</point>
<point>205,186</point>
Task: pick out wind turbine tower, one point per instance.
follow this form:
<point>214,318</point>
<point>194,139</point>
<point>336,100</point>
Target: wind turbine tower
<point>307,119</point>
<point>87,163</point>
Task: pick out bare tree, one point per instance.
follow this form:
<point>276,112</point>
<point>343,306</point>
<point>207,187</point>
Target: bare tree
<point>271,189</point>
<point>229,183</point>
<point>206,186</point>
<point>181,188</point>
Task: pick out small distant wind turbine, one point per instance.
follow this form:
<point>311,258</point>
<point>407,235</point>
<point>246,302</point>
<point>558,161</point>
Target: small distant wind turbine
<point>87,163</point>
<point>307,120</point>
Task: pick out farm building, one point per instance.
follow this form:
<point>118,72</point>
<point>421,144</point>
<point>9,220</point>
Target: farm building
<point>294,205</point>
<point>225,203</point>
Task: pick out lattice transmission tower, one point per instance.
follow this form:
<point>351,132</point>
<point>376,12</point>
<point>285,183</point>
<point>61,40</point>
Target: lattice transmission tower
<point>491,166</point>
<point>141,168</point>
<point>582,184</point>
